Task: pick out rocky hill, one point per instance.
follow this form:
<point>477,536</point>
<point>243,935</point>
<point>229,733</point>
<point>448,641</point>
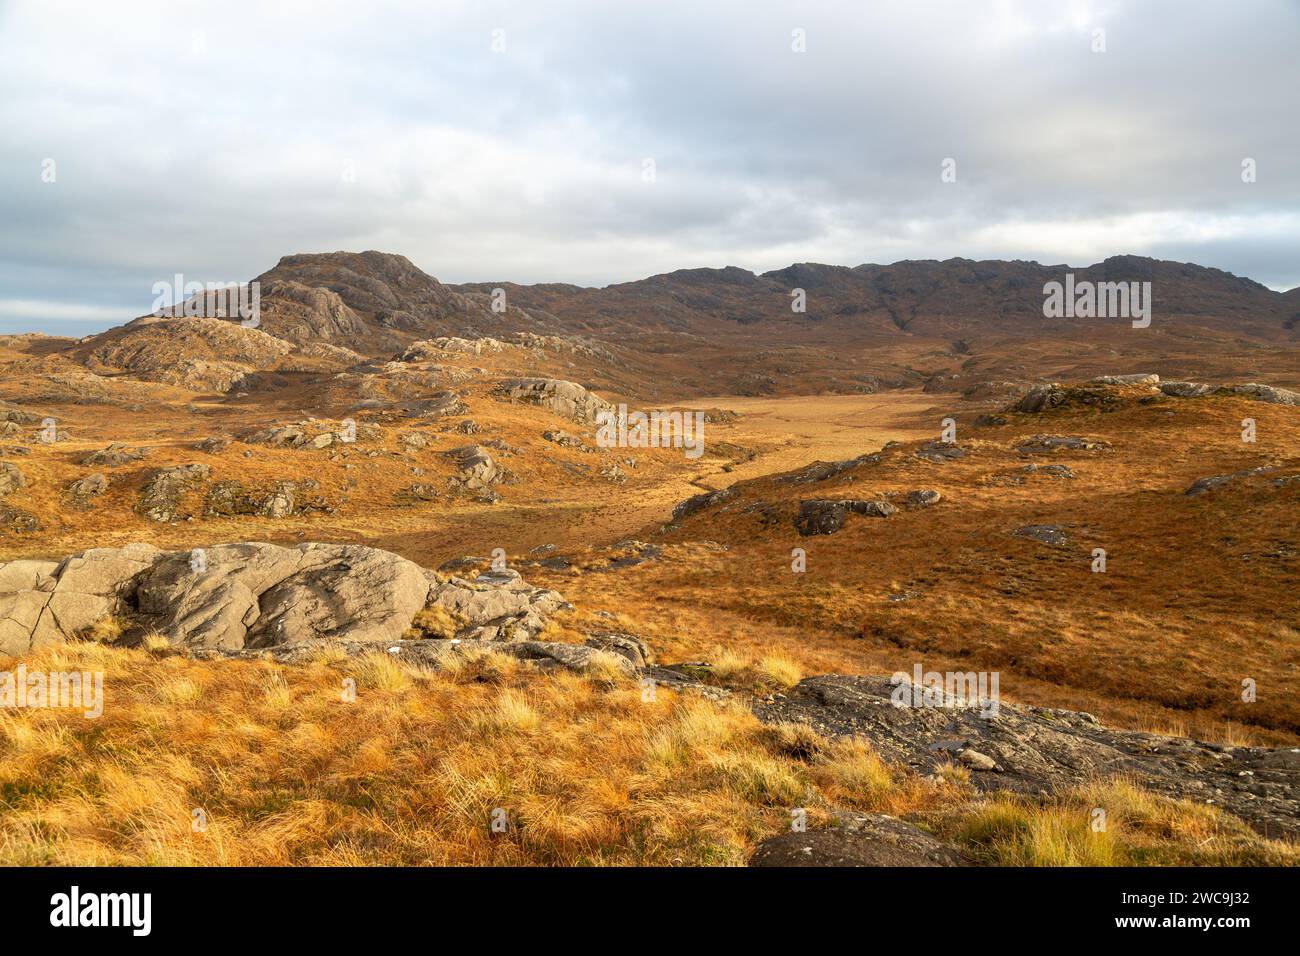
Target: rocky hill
<point>947,325</point>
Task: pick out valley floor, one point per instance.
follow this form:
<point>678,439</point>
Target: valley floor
<point>1198,597</point>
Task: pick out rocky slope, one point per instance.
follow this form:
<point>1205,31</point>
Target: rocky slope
<point>1038,750</point>
<point>288,602</point>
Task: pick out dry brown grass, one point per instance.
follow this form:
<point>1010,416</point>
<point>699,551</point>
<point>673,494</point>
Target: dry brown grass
<point>283,770</point>
<point>1138,829</point>
<point>1199,594</point>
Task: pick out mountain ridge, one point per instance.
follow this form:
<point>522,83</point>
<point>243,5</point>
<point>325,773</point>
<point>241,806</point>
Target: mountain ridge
<point>947,324</point>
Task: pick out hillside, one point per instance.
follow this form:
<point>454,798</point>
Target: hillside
<point>947,326</point>
<point>391,483</point>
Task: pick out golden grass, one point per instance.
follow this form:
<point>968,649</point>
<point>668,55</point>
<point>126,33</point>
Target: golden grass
<point>283,768</point>
<point>287,771</point>
<point>1136,828</point>
<point>106,631</point>
<point>435,622</point>
<point>761,674</point>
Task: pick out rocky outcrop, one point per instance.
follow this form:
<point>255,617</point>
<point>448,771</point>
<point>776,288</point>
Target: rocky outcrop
<point>415,441</point>
<point>1139,378</point>
<point>1045,533</point>
<point>878,508</point>
<point>1035,750</point>
<point>820,517</point>
<point>439,405</point>
<point>206,375</point>
<point>1038,444</point>
<point>636,650</point>
<point>115,455</point>
<point>284,498</point>
<point>822,471</point>
<point>307,314</point>
<point>313,433</point>
<point>495,606</point>
<point>11,479</point>
<point>91,486</point>
<point>434,349</point>
<point>1267,393</point>
<point>1187,389</point>
<point>478,471</point>
<point>1052,471</point>
<point>922,498</point>
<point>1262,393</point>
<point>1042,398</point>
<point>387,290</point>
<point>565,439</point>
<point>18,520</point>
<point>564,398</point>
<point>1211,482</point>
<point>162,497</point>
<point>1039,399</point>
<point>19,416</point>
<point>201,354</point>
<point>859,839</point>
<point>684,509</point>
<point>941,452</point>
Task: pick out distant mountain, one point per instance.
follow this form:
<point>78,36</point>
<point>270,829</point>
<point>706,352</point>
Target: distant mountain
<point>373,302</point>
<point>922,297</point>
<point>947,326</point>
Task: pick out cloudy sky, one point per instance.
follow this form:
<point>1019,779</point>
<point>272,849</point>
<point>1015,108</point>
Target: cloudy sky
<point>516,139</point>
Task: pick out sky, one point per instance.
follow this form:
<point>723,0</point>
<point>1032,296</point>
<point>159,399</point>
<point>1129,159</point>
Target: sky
<point>594,143</point>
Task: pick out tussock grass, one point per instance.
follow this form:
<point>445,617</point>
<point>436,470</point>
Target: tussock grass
<point>1140,829</point>
<point>106,631</point>
<point>283,770</point>
<point>765,673</point>
<point>433,622</point>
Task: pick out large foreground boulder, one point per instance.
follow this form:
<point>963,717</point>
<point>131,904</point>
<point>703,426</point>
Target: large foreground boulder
<point>49,602</point>
<point>249,596</point>
<point>263,595</point>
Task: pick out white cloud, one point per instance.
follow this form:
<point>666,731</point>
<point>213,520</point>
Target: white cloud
<point>215,159</point>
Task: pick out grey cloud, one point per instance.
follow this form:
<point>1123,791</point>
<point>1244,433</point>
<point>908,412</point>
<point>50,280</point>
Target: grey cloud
<point>215,158</point>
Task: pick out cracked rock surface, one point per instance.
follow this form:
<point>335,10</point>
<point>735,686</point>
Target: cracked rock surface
<point>1039,750</point>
